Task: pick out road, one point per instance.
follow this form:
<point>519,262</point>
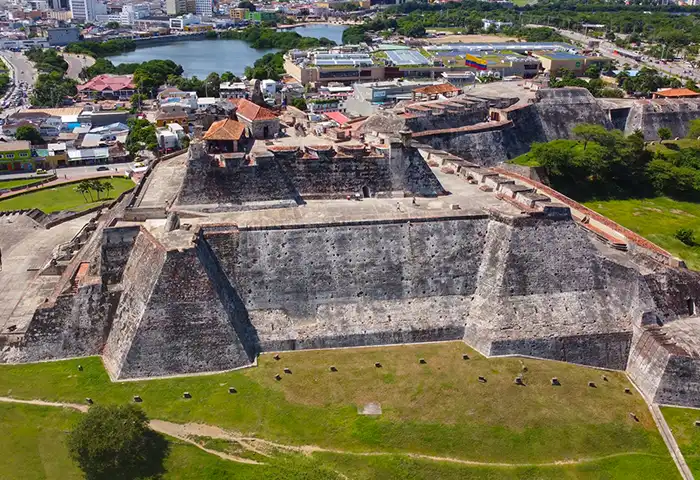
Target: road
<point>76,63</point>
<point>74,173</point>
<point>24,69</point>
<point>679,69</point>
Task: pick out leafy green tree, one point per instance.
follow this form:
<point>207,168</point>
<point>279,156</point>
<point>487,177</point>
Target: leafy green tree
<point>27,132</point>
<point>115,442</point>
<point>665,133</point>
<point>694,129</point>
<point>299,103</point>
<point>685,235</point>
<point>142,135</point>
<point>112,25</point>
<point>588,132</point>
<point>229,77</point>
<point>137,100</point>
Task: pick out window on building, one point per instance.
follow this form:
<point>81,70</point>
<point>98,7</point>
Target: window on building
<point>23,154</point>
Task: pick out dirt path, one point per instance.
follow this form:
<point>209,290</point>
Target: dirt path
<point>187,432</point>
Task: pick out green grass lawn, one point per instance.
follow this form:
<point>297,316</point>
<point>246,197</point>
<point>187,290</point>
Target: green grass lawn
<point>656,219</point>
<point>17,183</point>
<point>682,424</point>
<point>55,199</point>
<point>34,447</point>
<point>439,408</point>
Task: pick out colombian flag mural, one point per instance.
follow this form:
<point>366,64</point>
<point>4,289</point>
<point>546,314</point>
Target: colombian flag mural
<point>475,62</point>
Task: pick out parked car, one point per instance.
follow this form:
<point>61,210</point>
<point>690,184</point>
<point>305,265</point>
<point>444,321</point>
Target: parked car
<point>102,168</point>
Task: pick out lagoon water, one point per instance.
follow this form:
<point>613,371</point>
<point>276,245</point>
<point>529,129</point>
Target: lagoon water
<point>201,57</point>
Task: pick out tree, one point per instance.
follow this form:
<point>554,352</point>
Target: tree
<point>229,77</point>
<point>588,132</point>
<point>685,235</point>
<point>107,187</point>
<point>112,25</point>
<point>694,129</point>
<point>97,186</point>
<point>246,4</point>
<point>665,133</point>
<point>115,442</point>
<point>137,101</point>
<point>27,132</point>
<point>83,188</point>
<point>299,103</point>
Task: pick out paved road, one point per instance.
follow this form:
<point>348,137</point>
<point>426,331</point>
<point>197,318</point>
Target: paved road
<point>680,69</point>
<point>24,69</point>
<point>73,173</point>
<point>76,63</point>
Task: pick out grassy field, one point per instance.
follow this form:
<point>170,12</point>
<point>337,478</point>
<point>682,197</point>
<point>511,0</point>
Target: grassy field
<point>682,424</point>
<point>34,447</point>
<point>657,219</point>
<point>54,199</point>
<point>439,408</point>
<point>17,183</point>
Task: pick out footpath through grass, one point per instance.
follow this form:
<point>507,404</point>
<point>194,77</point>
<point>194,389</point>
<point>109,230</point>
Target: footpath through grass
<point>34,446</point>
<point>682,424</point>
<point>656,219</point>
<point>439,408</point>
<point>55,199</point>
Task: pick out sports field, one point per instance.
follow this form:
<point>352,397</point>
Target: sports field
<point>310,420</point>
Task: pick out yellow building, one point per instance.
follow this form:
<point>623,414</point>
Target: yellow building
<point>238,13</point>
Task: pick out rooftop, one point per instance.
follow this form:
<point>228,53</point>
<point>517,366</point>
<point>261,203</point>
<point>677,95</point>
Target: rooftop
<point>251,111</point>
<point>225,129</point>
<point>437,89</point>
<point>677,93</point>
<point>109,82</point>
<point>13,146</point>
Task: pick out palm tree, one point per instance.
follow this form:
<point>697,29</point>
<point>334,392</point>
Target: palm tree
<point>83,188</point>
<point>86,187</point>
<point>96,185</point>
<point>107,187</point>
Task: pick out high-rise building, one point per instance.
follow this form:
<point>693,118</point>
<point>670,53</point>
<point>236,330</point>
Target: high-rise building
<point>86,10</point>
<point>203,8</point>
<point>176,7</point>
<point>191,6</point>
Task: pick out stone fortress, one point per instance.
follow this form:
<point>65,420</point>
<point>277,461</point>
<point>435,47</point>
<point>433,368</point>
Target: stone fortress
<point>402,238</point>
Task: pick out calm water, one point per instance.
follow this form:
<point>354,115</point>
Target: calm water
<point>331,32</point>
<point>201,57</point>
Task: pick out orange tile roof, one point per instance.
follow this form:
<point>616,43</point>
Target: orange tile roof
<point>437,89</point>
<point>252,112</point>
<point>225,129</point>
<point>677,92</point>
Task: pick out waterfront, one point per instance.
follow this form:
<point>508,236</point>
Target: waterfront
<point>201,57</point>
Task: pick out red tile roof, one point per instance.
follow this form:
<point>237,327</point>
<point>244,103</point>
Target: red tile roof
<point>337,117</point>
<point>225,129</point>
<point>252,112</point>
<point>109,82</point>
<point>437,89</point>
<point>677,93</point>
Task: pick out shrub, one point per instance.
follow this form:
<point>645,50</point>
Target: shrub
<point>685,235</point>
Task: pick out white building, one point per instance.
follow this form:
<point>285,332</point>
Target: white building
<point>170,137</point>
<point>488,24</point>
<point>180,23</point>
<point>203,8</point>
<point>131,13</point>
<point>86,10</point>
<point>233,90</point>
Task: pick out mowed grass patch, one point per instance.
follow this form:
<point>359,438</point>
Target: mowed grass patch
<point>55,199</point>
<point>33,443</point>
<point>17,183</point>
<point>437,408</point>
<point>627,467</point>
<point>681,421</point>
<point>657,219</point>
